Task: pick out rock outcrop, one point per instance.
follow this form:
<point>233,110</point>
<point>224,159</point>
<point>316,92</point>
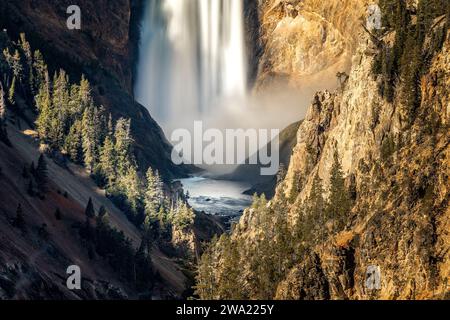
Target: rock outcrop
<point>392,242</point>
<point>401,212</point>
<point>304,41</point>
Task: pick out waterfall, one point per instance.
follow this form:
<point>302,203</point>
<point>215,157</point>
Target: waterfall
<point>191,59</point>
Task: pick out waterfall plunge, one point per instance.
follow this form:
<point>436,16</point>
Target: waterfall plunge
<point>192,59</point>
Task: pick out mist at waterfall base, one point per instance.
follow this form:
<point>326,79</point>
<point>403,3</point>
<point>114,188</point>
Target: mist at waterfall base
<point>193,66</point>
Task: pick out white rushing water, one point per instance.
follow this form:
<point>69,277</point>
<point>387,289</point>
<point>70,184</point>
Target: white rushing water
<point>192,58</point>
<point>217,197</point>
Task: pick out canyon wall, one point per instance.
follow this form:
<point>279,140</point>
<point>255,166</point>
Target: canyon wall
<point>367,185</point>
<point>304,41</point>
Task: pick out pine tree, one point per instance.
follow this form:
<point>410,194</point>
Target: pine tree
<point>315,212</point>
<point>42,175</point>
<point>3,132</point>
<point>184,216</point>
<point>132,187</point>
<point>90,212</point>
<point>19,221</point>
<point>28,54</point>
<point>2,105</point>
<point>110,127</point>
<point>16,66</point>
<point>12,92</point>
<point>108,161</point>
<point>91,142</point>
<point>154,196</point>
<point>59,110</point>
<point>295,188</point>
<point>73,143</point>
<point>229,286</point>
<point>44,107</point>
<point>339,202</point>
<point>102,212</point>
<point>40,70</point>
<point>58,214</point>
<point>143,276</point>
<point>84,92</point>
<point>206,281</point>
<point>123,144</point>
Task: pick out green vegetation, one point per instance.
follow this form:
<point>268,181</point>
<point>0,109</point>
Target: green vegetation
<point>236,268</point>
<point>19,221</point>
<point>69,123</point>
<point>71,126</point>
<point>340,203</point>
<point>418,35</point>
<point>90,212</point>
<point>41,175</point>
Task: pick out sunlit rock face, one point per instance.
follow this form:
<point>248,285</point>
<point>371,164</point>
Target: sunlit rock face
<point>192,55</point>
<point>305,41</point>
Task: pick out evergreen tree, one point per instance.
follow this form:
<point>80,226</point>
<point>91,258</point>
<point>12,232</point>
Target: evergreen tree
<point>108,161</point>
<point>44,106</point>
<point>40,71</point>
<point>110,127</point>
<point>143,268</point>
<point>58,214</point>
<point>19,221</point>
<point>315,213</point>
<point>84,93</point>
<point>90,135</point>
<point>90,212</point>
<point>102,212</point>
<point>28,54</point>
<point>339,203</point>
<point>73,143</point>
<point>295,188</point>
<point>59,110</point>
<point>184,216</point>
<point>206,285</point>
<point>154,195</point>
<point>16,66</point>
<point>12,92</point>
<point>131,186</point>
<point>229,286</point>
<point>3,132</point>
<point>123,144</point>
<point>2,105</point>
<point>42,175</point>
<point>283,242</point>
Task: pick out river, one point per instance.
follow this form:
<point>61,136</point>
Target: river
<point>217,197</point>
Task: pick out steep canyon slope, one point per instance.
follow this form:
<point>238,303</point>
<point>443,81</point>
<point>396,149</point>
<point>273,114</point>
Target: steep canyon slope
<point>306,41</point>
<point>105,51</point>
<point>366,189</point>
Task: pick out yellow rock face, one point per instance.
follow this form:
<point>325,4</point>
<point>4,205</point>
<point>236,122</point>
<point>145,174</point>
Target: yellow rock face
<point>308,40</point>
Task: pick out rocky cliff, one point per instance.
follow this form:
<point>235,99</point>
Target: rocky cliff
<point>401,215</point>
<point>365,197</point>
<point>302,41</point>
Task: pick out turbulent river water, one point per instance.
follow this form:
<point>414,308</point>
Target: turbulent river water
<point>218,197</point>
<point>192,63</point>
